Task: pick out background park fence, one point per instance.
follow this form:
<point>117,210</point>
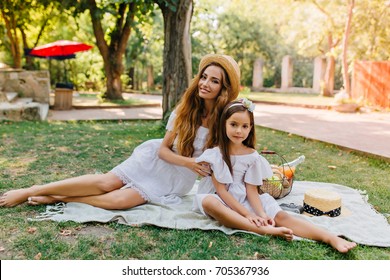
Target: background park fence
<point>371,80</point>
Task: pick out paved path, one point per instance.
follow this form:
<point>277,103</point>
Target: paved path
<point>365,132</point>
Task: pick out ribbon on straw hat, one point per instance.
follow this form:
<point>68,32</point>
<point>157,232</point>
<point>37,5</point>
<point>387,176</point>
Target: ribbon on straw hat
<point>319,202</point>
<point>231,67</point>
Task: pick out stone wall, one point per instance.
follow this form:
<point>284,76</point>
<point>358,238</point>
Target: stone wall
<point>24,95</point>
<point>28,84</point>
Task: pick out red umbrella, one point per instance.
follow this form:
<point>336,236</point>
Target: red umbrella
<point>60,48</point>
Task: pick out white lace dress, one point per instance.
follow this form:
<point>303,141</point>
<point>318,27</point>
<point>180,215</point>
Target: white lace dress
<point>251,168</point>
<point>155,179</point>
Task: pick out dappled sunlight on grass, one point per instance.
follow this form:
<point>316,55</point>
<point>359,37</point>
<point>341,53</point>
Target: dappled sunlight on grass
<point>97,126</point>
<point>292,98</point>
<point>50,151</point>
<point>85,99</point>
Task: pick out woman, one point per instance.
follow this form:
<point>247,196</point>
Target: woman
<point>159,171</point>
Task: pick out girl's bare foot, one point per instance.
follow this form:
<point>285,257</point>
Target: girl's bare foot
<point>342,245</point>
<point>14,197</point>
<point>39,200</point>
<point>282,232</point>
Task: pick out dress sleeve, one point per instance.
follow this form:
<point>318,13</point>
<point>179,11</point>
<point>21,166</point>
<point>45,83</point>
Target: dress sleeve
<point>218,165</point>
<point>258,171</point>
<point>171,121</point>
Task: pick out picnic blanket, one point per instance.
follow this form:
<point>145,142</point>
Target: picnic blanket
<point>364,224</point>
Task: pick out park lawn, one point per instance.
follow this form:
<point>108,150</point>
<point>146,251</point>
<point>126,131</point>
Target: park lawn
<point>95,99</point>
<point>41,152</point>
<point>302,99</point>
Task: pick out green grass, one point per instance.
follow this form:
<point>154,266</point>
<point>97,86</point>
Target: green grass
<point>290,98</point>
<point>41,152</point>
<point>89,99</point>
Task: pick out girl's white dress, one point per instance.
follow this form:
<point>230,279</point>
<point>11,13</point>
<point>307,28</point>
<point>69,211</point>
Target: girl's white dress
<point>155,179</point>
<point>251,168</point>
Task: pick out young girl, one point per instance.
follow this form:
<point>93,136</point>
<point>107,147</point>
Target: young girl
<point>230,195</point>
<point>160,170</point>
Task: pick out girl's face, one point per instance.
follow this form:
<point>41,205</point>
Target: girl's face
<point>210,83</point>
<point>238,127</point>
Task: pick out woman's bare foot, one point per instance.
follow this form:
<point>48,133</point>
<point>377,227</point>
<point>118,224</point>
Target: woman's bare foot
<point>342,245</point>
<point>39,200</point>
<point>14,197</point>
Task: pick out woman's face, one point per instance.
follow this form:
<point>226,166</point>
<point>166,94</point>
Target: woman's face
<point>210,83</point>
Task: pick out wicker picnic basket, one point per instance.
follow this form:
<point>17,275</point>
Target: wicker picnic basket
<point>279,185</point>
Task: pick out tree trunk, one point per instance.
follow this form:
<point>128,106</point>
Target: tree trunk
<point>177,71</point>
<point>113,83</point>
<point>328,86</point>
<point>131,74</point>
<point>150,77</point>
<point>29,61</point>
<point>329,76</point>
<point>12,34</point>
<point>346,81</point>
<point>113,53</point>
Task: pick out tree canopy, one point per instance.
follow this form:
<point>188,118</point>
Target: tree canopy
<point>129,34</point>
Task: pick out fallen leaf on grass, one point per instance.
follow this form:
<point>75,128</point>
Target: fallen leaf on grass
<point>38,256</point>
<point>258,256</point>
<point>65,232</point>
<point>31,230</point>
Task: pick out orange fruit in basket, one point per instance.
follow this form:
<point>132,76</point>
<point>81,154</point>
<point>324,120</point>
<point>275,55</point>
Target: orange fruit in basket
<point>288,171</point>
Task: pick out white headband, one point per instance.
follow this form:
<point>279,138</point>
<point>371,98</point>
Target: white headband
<point>246,103</point>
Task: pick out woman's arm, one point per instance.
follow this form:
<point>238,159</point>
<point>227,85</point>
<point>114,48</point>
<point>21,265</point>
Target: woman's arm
<point>165,152</point>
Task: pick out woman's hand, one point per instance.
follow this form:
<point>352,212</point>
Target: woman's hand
<point>201,168</point>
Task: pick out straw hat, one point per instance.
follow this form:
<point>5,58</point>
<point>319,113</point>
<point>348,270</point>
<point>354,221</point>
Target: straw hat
<point>231,67</point>
<point>319,202</point>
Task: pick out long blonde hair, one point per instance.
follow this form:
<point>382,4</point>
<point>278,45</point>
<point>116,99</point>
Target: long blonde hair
<point>189,114</point>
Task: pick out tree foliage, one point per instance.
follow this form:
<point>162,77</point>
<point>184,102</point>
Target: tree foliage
<point>20,17</point>
<point>112,23</point>
<point>245,29</point>
<point>303,29</point>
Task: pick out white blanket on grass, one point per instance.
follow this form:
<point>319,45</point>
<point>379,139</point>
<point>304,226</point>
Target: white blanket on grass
<point>363,225</point>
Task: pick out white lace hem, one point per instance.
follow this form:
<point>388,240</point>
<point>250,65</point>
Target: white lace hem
<point>128,184</point>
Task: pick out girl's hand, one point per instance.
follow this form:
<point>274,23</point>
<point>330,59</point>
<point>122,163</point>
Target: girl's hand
<point>257,220</point>
<point>268,220</point>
